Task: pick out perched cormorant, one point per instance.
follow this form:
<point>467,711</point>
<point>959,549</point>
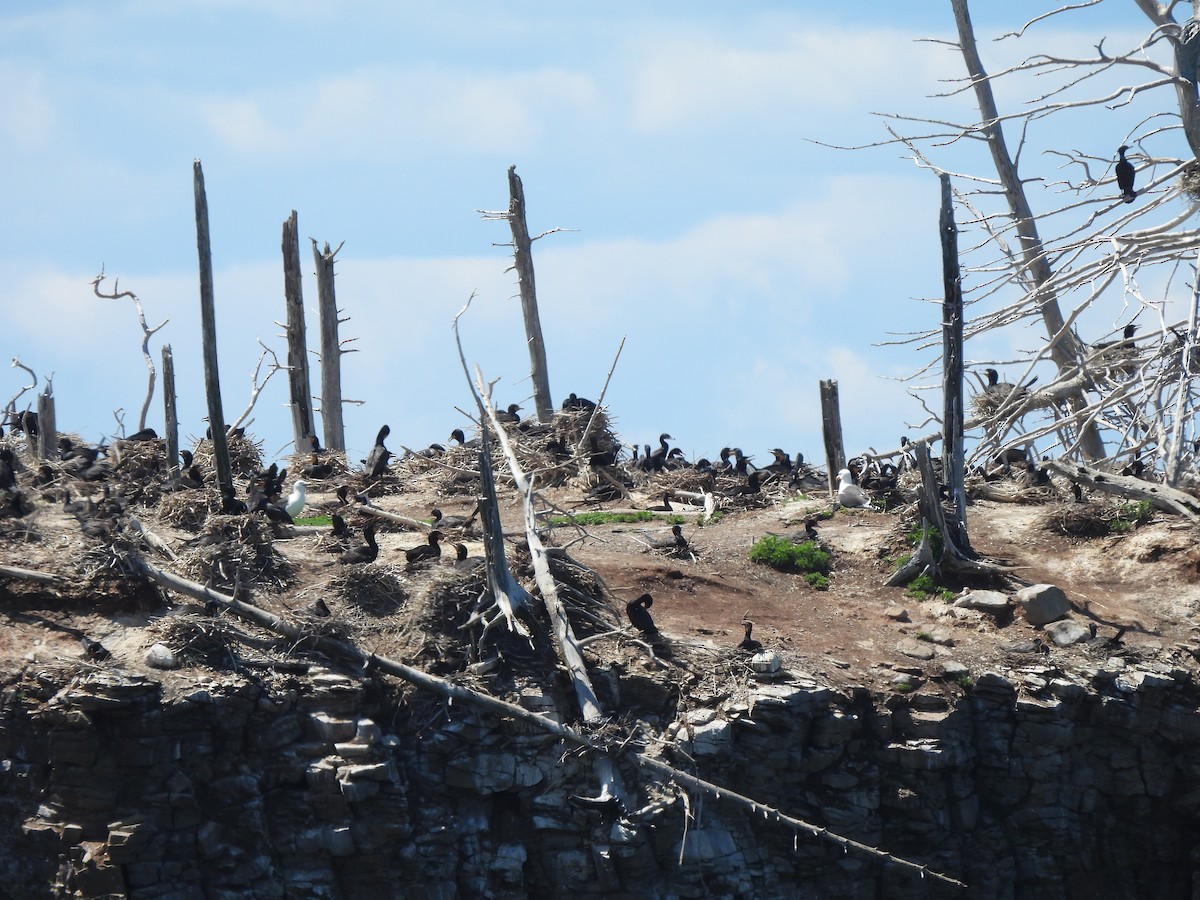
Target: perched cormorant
<point>146,434</point>
<point>573,402</point>
<point>850,494</point>
<point>639,615</point>
<point>656,460</point>
<point>742,464</point>
<point>26,422</point>
<point>339,527</point>
<point>1125,175</point>
<point>230,504</point>
<point>509,416</point>
<point>431,550</point>
<point>94,649</point>
<point>456,522</point>
<point>748,643</point>
<point>377,460</point>
<point>810,530</point>
<point>275,513</point>
<point>186,457</point>
<point>317,469</point>
<point>362,554</point>
<point>296,499</point>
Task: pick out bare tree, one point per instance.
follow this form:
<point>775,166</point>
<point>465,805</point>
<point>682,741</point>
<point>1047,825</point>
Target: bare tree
<point>1053,240</point>
<point>147,333</point>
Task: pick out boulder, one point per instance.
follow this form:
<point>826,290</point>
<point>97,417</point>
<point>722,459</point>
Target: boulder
<point>1065,632</point>
<point>1043,603</point>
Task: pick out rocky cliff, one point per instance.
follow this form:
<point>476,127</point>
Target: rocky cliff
<point>300,781</point>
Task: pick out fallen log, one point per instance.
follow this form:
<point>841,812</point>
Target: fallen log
<point>1162,497</point>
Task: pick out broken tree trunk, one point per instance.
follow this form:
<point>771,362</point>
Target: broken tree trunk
<point>1163,497</point>
<point>208,328</point>
<point>170,417</point>
<point>952,370</point>
<point>831,427</point>
<point>47,440</point>
<point>293,294</point>
<point>331,350</point>
<point>523,261</point>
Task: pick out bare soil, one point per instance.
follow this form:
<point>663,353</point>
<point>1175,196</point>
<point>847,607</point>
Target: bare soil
<point>1146,581</point>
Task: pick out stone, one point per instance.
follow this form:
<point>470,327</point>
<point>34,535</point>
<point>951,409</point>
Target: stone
<point>993,603</point>
<point>160,656</point>
<point>915,648</point>
<point>1043,603</point>
<point>896,613</point>
<point>1065,632</point>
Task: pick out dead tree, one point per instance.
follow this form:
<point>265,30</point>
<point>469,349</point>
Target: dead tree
<point>331,349</point>
<point>170,418</point>
<point>831,427</point>
<point>522,245</point>
<point>47,436</point>
<point>147,333</point>
<point>1053,243</point>
<point>208,330</point>
<point>298,383</point>
<point>952,368</point>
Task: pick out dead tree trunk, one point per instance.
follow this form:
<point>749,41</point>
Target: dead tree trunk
<point>293,292</point>
<point>952,369</point>
<point>47,428</point>
<point>1064,349</point>
<point>523,261</point>
<point>331,351</point>
<point>170,418</point>
<point>831,426</point>
<point>208,329</point>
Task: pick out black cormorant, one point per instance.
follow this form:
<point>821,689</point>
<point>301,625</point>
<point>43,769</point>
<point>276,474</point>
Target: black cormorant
<point>377,460</point>
<point>509,415</point>
<point>639,615</point>
<point>431,550</point>
<point>1125,175</point>
<point>748,643</point>
<point>362,554</point>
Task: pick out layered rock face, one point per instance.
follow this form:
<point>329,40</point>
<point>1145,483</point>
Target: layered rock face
<point>321,785</point>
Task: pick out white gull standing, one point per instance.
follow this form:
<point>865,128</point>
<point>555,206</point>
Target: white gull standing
<point>850,494</point>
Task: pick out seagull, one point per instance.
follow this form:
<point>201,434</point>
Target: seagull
<point>850,494</point>
<point>295,500</point>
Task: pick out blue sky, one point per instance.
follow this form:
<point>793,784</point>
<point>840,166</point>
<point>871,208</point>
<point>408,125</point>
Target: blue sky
<point>741,262</point>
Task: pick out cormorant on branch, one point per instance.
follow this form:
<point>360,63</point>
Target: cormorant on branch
<point>1125,175</point>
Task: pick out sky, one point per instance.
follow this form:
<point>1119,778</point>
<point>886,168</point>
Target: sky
<point>677,151</point>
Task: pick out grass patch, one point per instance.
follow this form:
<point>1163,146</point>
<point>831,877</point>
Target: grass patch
<point>315,520</point>
<point>607,518</point>
<point>924,587</point>
<point>780,553</point>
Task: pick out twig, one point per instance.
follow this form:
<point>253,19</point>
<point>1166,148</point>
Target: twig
<point>147,333</point>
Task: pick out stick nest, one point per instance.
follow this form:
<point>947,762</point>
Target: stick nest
<point>234,550</point>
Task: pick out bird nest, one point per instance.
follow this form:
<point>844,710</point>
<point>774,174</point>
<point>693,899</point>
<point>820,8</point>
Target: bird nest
<point>1094,519</point>
<point>1189,180</point>
<point>140,466</point>
<point>374,589</point>
<point>188,509</point>
<point>245,456</point>
<point>235,551</point>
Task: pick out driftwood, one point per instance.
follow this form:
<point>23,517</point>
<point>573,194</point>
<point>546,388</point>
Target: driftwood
<point>370,510</point>
<point>455,693</point>
<point>1165,498</point>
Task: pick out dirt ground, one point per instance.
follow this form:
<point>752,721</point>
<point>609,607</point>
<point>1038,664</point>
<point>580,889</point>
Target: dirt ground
<point>1146,581</point>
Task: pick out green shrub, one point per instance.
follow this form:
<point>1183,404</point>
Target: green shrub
<point>966,682</point>
<point>1130,516</point>
<point>906,687</point>
<point>817,580</point>
<point>923,587</point>
<point>780,553</point>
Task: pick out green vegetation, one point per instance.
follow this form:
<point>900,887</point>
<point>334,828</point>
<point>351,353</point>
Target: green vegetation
<point>923,587</point>
<point>906,687</point>
<point>605,518</point>
<point>966,682</point>
<point>817,580</point>
<point>780,553</point>
<point>315,520</point>
<point>924,636</point>
<point>1130,516</point>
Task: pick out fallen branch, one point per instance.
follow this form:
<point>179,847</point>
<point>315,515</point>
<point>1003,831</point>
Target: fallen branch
<point>29,575</point>
<point>1162,497</point>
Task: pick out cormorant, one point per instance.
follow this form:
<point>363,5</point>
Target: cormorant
<point>509,416</point>
<point>26,422</point>
<point>656,460</point>
<point>748,643</point>
<point>339,527</point>
<point>810,530</point>
<point>431,550</point>
<point>362,554</point>
<point>677,543</point>
<point>639,615</point>
<point>187,457</point>
<point>742,464</point>
<point>573,402</point>
<point>456,522</point>
<point>94,649</point>
<point>230,504</point>
<point>377,460</point>
<point>317,469</point>
<point>319,608</point>
<point>276,514</point>
<point>1125,175</point>
<point>146,434</point>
